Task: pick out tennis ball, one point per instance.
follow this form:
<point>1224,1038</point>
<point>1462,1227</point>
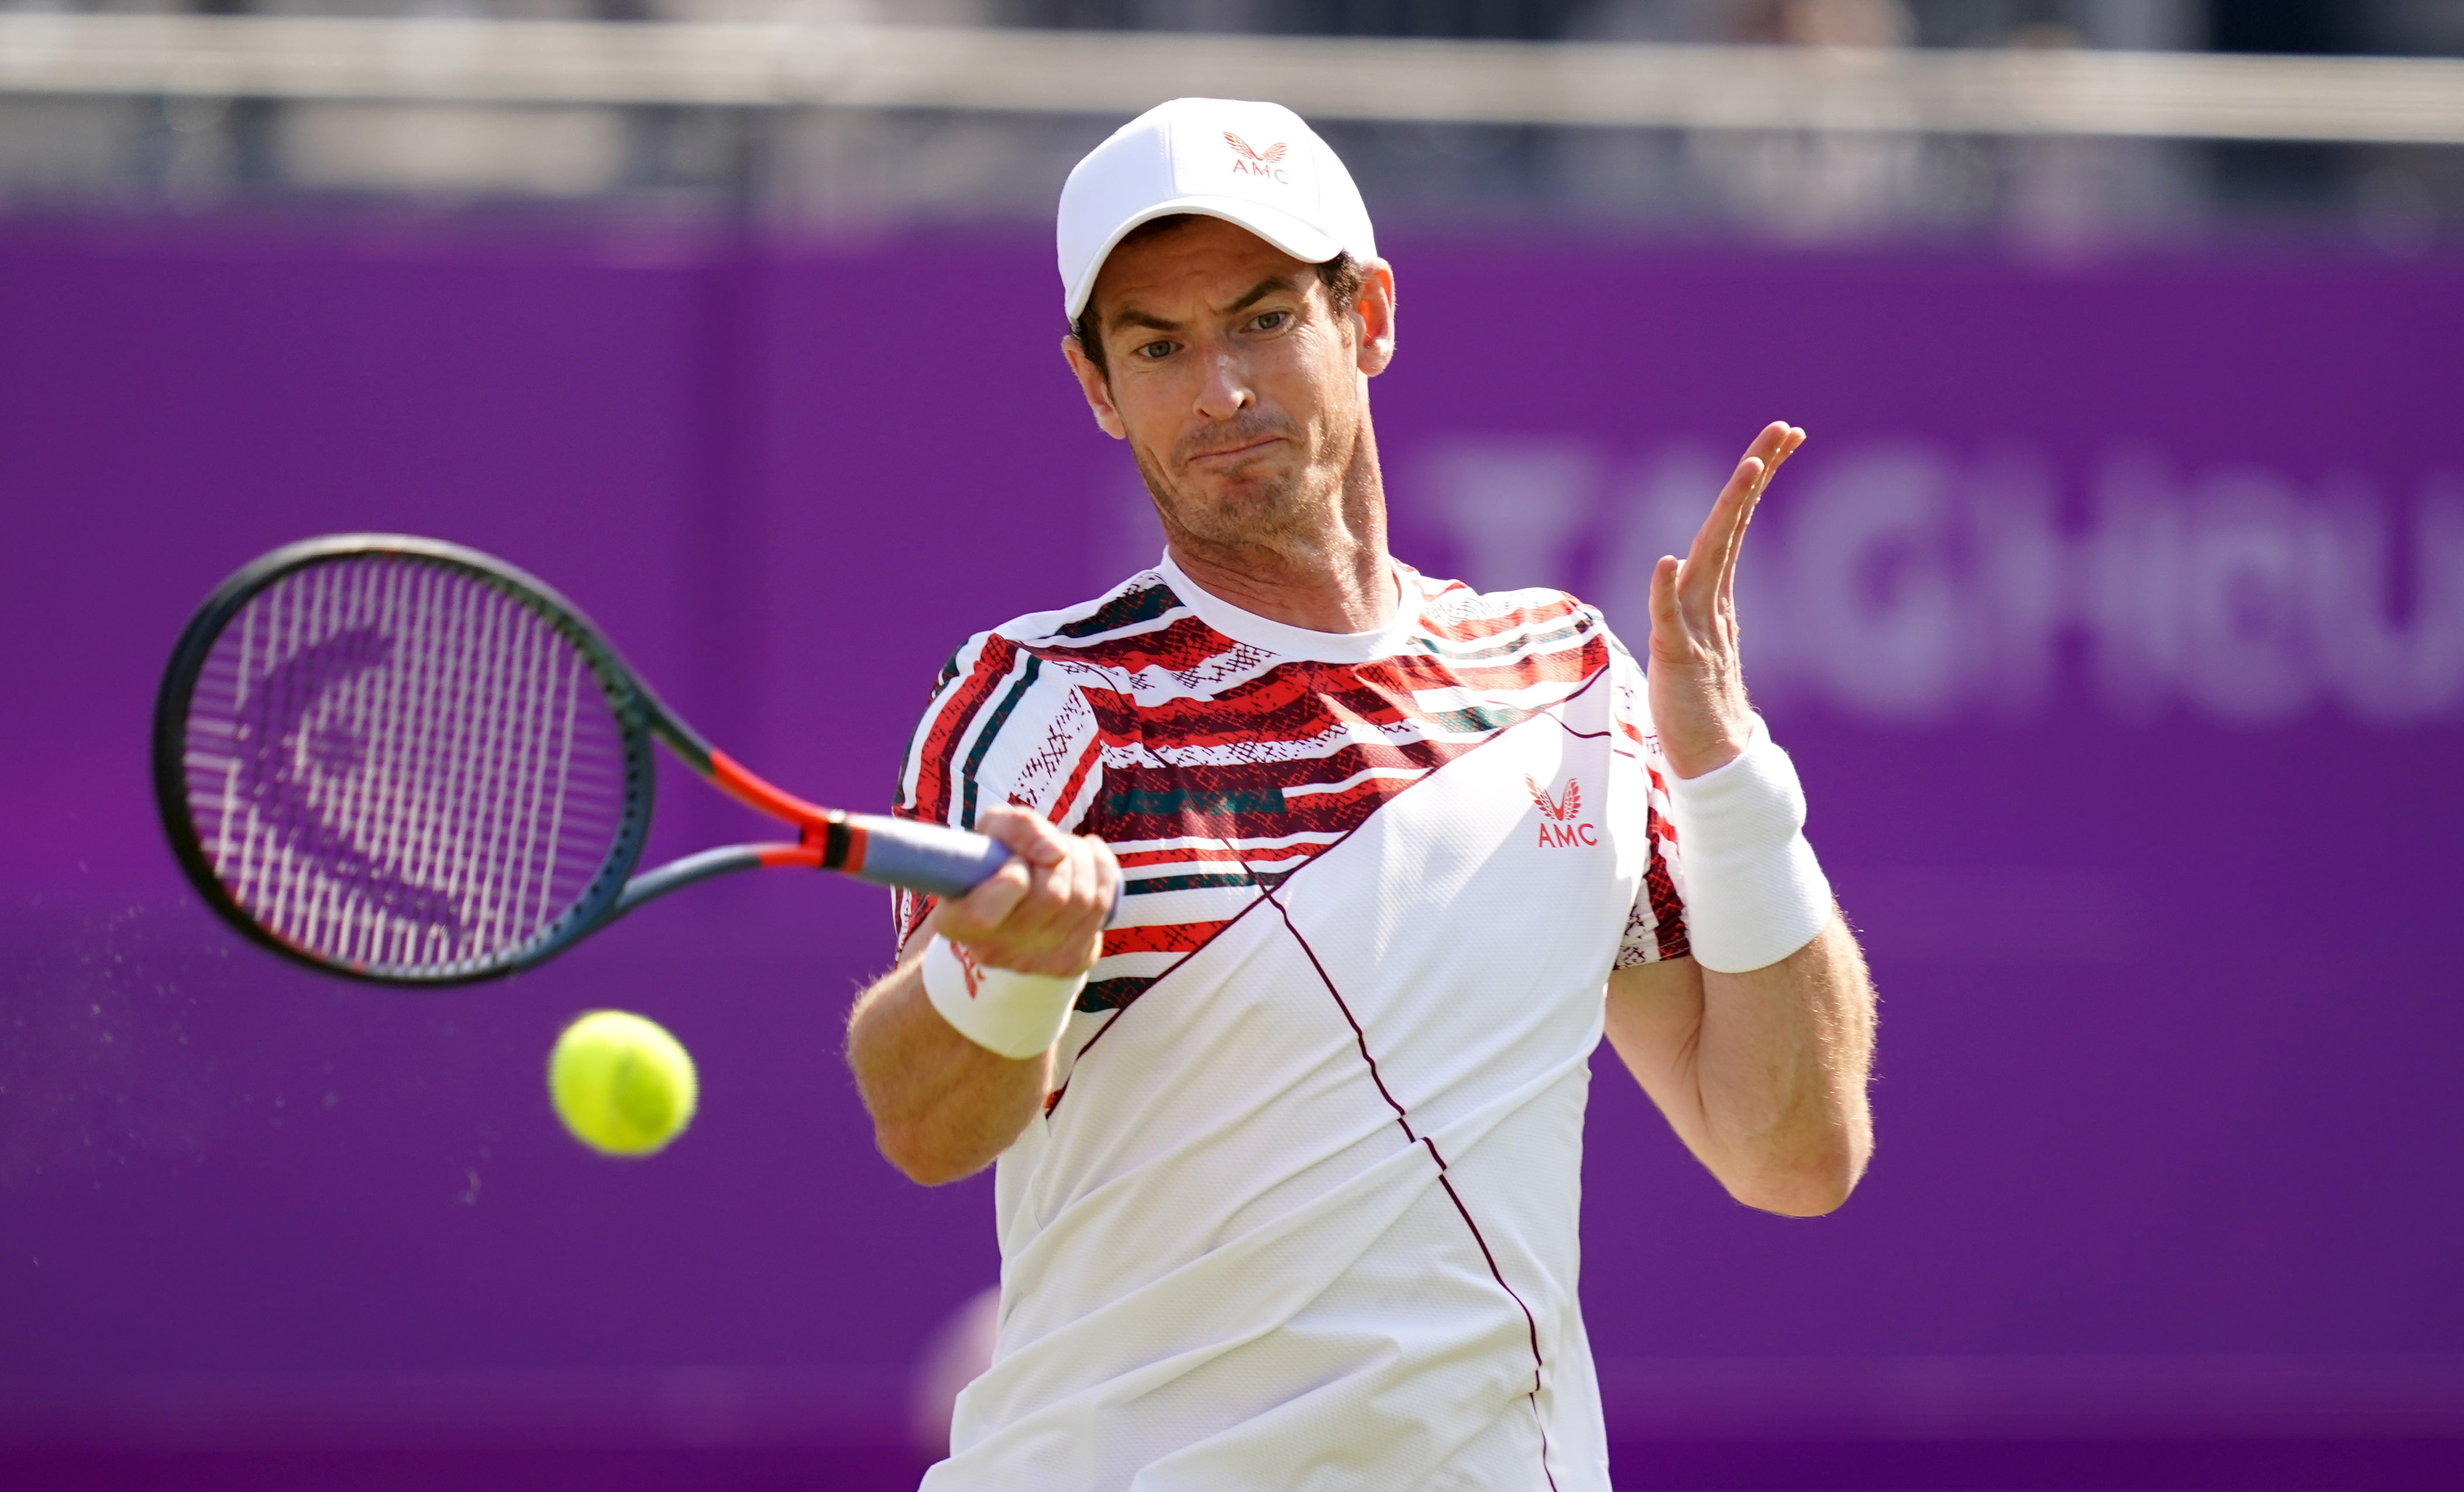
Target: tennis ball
<point>621,1083</point>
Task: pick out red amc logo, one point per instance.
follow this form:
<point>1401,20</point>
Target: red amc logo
<point>1267,163</point>
<point>1560,828</point>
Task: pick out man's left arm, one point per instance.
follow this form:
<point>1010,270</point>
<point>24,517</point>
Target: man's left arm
<point>1759,1047</point>
<point>1763,1073</point>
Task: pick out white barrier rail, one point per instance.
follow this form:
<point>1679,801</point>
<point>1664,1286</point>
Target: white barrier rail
<point>2004,92</point>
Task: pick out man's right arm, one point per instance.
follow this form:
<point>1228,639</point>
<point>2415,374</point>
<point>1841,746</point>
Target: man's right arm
<point>943,1107</point>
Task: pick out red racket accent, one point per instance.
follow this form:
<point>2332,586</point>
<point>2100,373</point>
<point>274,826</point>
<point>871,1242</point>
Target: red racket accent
<point>826,840</point>
<point>776,856</point>
<point>755,793</point>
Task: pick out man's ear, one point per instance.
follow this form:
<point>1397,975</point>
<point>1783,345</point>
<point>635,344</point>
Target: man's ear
<point>1374,313</point>
<point>1092,384</point>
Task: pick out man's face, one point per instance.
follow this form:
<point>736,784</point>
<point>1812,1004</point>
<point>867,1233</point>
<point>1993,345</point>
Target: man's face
<point>1241,391</point>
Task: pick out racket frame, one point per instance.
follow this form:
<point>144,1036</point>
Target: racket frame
<point>826,838</point>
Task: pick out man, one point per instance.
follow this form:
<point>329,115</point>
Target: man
<point>1290,1153</point>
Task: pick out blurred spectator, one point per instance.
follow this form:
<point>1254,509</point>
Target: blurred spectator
<point>851,166</point>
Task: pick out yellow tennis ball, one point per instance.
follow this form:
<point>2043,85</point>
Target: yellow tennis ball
<point>621,1083</point>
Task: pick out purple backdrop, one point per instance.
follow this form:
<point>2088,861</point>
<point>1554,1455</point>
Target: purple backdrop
<point>2115,615</point>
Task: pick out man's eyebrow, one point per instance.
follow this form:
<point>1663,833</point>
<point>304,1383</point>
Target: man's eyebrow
<point>1132,317</point>
<point>1264,288</point>
<point>1146,319</point>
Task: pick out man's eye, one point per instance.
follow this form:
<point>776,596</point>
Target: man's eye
<point>1269,320</point>
<point>1156,350</point>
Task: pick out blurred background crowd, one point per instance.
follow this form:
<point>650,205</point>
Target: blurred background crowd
<point>841,162</point>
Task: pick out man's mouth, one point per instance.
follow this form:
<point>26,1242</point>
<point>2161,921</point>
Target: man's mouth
<point>1233,454</point>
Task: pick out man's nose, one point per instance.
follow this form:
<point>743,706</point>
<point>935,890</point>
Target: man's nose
<point>1224,390</point>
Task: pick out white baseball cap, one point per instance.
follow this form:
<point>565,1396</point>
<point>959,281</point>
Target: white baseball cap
<point>1255,165</point>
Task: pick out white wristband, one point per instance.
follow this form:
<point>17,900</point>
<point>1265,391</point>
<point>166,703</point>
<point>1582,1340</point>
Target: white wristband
<point>1753,892</point>
<point>1017,1015</point>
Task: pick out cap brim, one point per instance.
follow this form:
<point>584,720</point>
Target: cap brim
<point>1285,231</point>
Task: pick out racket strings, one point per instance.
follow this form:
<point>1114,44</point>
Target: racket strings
<point>395,764</point>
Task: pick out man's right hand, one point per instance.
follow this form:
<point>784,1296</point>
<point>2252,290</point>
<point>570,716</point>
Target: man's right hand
<point>1043,912</point>
<point>943,1106</point>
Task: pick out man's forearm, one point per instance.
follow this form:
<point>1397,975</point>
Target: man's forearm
<point>1763,1073</point>
<point>943,1106</point>
<point>1784,1055</point>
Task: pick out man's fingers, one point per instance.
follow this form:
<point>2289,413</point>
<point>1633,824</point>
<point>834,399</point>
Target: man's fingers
<point>1055,909</point>
<point>1030,915</point>
<point>1712,539</point>
<point>1105,881</point>
<point>1711,567</point>
<point>1791,437</point>
<point>1756,471</point>
<point>1078,892</point>
<point>1093,876</point>
<point>1050,912</point>
<point>1026,833</point>
<point>1087,890</point>
<point>1665,620</point>
<point>1777,450</point>
<point>1715,544</point>
<point>1034,847</point>
<point>1770,443</point>
<point>983,910</point>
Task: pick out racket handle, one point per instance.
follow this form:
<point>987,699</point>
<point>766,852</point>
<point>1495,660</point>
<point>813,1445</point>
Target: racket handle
<point>931,858</point>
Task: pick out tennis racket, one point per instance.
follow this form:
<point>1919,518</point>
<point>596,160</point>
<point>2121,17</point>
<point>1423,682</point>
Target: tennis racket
<point>404,761</point>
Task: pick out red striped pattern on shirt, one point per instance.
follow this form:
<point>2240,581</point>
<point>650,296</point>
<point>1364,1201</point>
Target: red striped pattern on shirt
<point>1215,765</point>
<point>935,787</point>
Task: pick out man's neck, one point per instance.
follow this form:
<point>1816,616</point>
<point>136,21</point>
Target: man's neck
<point>1354,591</point>
<point>1338,577</point>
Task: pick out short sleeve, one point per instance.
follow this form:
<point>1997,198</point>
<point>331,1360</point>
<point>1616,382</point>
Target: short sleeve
<point>1655,925</point>
<point>1004,726</point>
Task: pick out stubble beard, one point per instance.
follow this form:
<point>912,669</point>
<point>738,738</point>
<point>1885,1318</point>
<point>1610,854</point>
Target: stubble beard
<point>1295,515</point>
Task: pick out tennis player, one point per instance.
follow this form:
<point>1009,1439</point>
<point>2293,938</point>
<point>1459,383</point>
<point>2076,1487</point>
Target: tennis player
<point>1289,1155</point>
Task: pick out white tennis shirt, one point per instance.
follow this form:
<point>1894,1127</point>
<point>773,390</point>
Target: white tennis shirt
<point>1302,1212</point>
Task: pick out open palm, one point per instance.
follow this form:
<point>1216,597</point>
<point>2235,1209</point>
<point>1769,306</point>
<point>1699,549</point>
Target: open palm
<point>1697,678</point>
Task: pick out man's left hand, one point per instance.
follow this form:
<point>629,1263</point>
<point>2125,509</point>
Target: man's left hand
<point>1697,682</point>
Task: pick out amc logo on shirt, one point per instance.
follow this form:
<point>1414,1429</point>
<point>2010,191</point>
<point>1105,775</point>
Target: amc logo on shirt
<point>1560,825</point>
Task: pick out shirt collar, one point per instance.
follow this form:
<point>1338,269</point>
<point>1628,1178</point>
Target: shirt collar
<point>1298,642</point>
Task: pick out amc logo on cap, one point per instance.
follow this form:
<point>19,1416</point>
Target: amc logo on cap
<point>1267,163</point>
